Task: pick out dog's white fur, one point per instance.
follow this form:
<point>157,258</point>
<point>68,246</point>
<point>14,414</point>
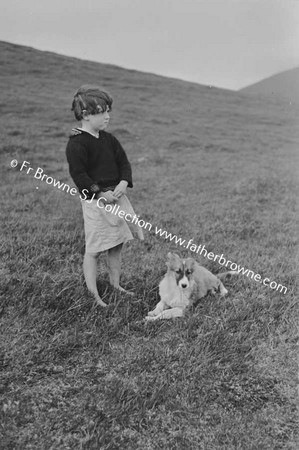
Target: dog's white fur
<point>184,283</point>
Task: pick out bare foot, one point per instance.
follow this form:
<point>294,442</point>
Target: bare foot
<point>223,291</point>
<point>100,302</point>
<point>121,289</point>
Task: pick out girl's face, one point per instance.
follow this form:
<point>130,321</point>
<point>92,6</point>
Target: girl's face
<point>99,121</point>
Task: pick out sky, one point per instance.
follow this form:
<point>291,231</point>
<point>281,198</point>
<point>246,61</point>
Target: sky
<point>224,43</point>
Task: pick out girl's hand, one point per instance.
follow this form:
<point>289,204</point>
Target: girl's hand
<point>120,189</point>
<point>109,196</point>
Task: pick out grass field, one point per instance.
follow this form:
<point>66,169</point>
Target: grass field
<point>208,164</point>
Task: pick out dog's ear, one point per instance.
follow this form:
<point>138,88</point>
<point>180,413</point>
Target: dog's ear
<point>190,264</point>
<point>171,255</point>
<point>169,259</point>
<point>172,259</point>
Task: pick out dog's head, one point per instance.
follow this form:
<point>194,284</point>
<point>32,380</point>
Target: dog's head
<point>182,269</point>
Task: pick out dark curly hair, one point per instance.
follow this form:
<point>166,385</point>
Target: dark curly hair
<point>91,99</point>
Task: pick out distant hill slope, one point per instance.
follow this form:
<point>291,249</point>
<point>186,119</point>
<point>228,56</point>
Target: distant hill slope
<point>154,116</point>
<point>282,85</point>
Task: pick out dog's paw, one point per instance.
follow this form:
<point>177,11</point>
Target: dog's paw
<point>152,318</point>
<point>151,313</point>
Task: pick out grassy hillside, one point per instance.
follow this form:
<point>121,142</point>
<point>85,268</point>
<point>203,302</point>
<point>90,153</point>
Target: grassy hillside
<point>283,86</point>
<point>208,164</point>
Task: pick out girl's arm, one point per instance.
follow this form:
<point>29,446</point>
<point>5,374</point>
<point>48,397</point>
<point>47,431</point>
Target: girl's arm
<point>76,155</point>
<point>125,170</point>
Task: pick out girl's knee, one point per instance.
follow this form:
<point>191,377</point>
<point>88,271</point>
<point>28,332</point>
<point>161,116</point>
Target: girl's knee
<point>91,255</point>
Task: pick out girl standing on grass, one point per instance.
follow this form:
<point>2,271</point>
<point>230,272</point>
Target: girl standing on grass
<point>100,169</point>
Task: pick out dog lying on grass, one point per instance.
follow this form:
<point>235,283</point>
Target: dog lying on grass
<point>184,283</point>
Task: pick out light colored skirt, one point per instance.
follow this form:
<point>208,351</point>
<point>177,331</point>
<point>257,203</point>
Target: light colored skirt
<point>103,229</point>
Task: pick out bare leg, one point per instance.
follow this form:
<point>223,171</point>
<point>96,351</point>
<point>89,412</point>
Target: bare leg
<point>114,267</point>
<point>139,232</point>
<point>90,274</point>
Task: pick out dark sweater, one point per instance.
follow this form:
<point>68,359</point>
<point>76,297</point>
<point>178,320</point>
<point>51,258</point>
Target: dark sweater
<point>96,163</point>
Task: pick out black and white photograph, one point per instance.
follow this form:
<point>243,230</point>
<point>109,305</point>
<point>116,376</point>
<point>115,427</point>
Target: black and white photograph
<point>149,225</point>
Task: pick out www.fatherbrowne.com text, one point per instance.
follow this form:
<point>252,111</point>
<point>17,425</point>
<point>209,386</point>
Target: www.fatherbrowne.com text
<point>188,245</point>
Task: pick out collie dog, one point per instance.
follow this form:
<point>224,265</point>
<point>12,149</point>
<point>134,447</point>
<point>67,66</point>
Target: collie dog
<point>184,283</point>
